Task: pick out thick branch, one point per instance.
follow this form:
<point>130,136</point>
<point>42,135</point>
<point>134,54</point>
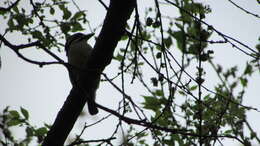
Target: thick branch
<point>114,24</point>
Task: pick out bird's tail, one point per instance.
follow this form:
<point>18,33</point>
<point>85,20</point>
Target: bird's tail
<point>92,107</point>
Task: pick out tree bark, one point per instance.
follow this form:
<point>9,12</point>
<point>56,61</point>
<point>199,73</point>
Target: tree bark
<point>118,13</point>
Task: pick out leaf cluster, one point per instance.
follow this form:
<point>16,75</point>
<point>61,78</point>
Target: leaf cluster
<point>19,119</point>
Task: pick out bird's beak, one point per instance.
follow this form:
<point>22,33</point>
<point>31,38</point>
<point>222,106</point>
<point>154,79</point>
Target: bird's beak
<point>88,36</point>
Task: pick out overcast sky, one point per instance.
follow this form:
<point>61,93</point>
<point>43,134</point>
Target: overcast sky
<point>43,90</point>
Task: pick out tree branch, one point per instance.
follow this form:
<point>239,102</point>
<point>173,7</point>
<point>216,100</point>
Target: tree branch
<point>114,24</point>
<point>243,9</point>
<point>92,141</point>
<point>16,49</point>
<point>10,7</point>
<point>151,125</point>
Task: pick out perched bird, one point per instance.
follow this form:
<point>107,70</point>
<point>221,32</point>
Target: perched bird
<point>78,52</point>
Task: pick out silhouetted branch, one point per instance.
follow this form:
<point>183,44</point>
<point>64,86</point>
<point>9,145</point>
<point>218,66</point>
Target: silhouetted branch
<point>10,7</point>
<point>17,48</point>
<point>224,36</point>
<point>92,141</point>
<point>166,129</point>
<point>241,8</point>
<point>103,4</point>
<point>114,24</point>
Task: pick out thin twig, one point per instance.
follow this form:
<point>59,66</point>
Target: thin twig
<point>241,8</point>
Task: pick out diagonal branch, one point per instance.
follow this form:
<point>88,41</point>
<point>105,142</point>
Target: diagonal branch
<point>243,9</point>
<point>114,24</point>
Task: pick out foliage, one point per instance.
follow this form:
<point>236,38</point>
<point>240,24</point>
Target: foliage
<point>46,21</point>
<point>14,119</point>
<point>182,109</point>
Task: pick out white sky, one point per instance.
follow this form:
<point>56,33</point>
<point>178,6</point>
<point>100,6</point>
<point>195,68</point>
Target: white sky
<point>43,90</point>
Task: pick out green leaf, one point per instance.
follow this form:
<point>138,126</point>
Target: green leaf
<point>65,27</point>
<point>76,27</point>
<point>233,85</point>
<point>156,24</point>
<point>152,103</point>
<point>141,135</point>
<point>11,24</point>
<point>248,69</point>
<point>194,49</point>
<point>228,132</point>
<point>119,57</point>
<point>14,114</point>
<point>146,35</point>
<point>66,15</point>
<point>52,10</point>
<point>193,87</point>
<point>41,131</point>
<point>159,93</point>
<point>258,47</point>
<point>16,10</point>
<point>168,42</point>
<point>184,18</point>
<point>66,12</point>
<point>132,45</point>
<point>25,113</point>
<point>36,34</point>
<point>243,81</point>
<point>176,137</point>
<point>21,20</point>
<point>14,122</point>
<point>181,92</point>
<point>78,15</point>
<point>124,37</point>
<point>179,36</point>
<point>29,21</point>
<point>29,131</point>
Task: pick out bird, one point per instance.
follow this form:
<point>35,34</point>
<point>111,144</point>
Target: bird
<point>78,52</point>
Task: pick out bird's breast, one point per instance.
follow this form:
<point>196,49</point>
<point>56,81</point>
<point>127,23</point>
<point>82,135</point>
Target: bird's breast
<point>79,54</point>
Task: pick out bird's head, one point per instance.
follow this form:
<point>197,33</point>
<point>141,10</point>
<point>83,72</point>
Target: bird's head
<point>75,38</point>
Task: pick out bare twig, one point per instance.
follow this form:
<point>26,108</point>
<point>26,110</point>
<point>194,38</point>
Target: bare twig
<point>92,141</point>
<point>103,4</point>
<point>241,8</point>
